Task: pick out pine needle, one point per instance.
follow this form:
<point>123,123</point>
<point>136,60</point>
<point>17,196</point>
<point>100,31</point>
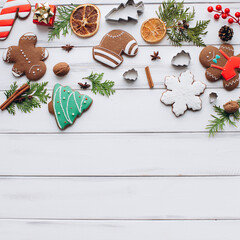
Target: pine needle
<point>219,121</point>
<point>171,13</point>
<point>62,25</point>
<point>32,98</point>
<point>105,88</point>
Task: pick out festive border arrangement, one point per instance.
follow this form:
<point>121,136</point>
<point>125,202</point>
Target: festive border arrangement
<point>173,20</point>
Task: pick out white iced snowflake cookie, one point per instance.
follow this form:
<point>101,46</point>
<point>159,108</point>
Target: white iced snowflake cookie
<point>183,93</point>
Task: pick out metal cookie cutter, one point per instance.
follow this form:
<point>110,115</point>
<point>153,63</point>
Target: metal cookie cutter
<point>181,59</point>
<point>130,75</point>
<point>125,12</point>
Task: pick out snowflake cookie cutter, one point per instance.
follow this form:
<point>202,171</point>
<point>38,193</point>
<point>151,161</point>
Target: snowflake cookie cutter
<point>183,93</point>
<point>181,59</point>
<point>123,13</point>
<point>130,75</point>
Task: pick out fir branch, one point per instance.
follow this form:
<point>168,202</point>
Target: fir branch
<point>173,13</point>
<point>219,121</point>
<point>32,98</point>
<point>62,25</point>
<point>104,88</point>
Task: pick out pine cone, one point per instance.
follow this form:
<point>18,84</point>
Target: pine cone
<point>225,33</point>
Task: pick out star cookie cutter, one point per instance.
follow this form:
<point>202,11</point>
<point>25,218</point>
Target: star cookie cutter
<point>128,12</point>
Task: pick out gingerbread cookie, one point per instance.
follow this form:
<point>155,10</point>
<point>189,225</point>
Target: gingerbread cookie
<point>27,58</point>
<point>67,105</point>
<point>113,44</point>
<point>183,93</point>
<point>10,11</point>
<point>221,63</point>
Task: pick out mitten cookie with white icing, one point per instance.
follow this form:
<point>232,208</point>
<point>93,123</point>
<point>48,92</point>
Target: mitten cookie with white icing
<point>221,63</point>
<point>27,58</point>
<point>113,45</point>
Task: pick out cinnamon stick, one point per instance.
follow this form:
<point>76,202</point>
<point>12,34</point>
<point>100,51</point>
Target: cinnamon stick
<point>149,77</point>
<point>15,95</point>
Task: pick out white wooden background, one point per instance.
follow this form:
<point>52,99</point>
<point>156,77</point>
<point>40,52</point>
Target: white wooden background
<point>128,169</point>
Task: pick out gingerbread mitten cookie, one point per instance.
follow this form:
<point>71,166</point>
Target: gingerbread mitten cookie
<point>67,105</point>
<point>221,63</point>
<point>113,44</point>
<point>27,58</point>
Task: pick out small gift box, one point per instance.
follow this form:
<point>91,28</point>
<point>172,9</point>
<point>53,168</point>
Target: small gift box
<point>44,14</point>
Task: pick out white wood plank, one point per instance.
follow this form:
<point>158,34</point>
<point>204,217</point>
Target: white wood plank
<point>21,27</point>
<point>126,111</point>
<point>119,155</point>
<point>118,230</point>
<point>82,64</point>
<point>120,198</point>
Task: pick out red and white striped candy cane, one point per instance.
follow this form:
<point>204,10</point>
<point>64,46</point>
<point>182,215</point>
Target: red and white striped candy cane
<point>11,10</point>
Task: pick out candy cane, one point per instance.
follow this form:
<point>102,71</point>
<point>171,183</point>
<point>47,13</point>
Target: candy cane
<point>11,10</point>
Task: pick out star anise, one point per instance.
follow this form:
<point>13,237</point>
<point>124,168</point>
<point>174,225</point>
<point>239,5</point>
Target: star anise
<point>84,85</point>
<point>67,48</point>
<point>155,56</point>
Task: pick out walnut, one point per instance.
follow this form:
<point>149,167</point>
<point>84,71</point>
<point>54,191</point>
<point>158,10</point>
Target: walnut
<point>231,106</point>
<point>61,69</point>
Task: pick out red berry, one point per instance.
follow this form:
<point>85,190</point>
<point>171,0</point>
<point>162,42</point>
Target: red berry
<point>227,10</point>
<point>218,7</point>
<point>224,15</point>
<point>210,9</point>
<point>237,14</point>
<point>230,20</point>
<point>216,16</point>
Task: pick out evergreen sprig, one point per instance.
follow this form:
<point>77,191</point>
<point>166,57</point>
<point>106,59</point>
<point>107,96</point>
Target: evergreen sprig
<point>219,121</point>
<point>171,13</point>
<point>62,25</point>
<point>104,88</point>
<point>30,99</point>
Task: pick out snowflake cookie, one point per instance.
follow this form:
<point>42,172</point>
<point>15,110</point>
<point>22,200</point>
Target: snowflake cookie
<point>183,93</point>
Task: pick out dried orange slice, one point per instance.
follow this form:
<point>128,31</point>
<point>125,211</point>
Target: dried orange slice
<point>153,30</point>
<point>85,20</point>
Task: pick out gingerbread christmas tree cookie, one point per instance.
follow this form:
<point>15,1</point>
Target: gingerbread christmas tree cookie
<point>27,58</point>
<point>67,105</point>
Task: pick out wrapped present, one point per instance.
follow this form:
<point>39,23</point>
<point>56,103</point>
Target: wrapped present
<point>44,14</point>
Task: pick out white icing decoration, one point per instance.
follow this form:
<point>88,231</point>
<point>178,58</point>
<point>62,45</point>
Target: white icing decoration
<point>212,56</point>
<point>4,56</point>
<point>45,54</point>
<point>129,45</point>
<point>15,74</point>
<point>29,62</point>
<point>29,34</point>
<point>232,82</point>
<point>211,75</point>
<point>183,93</point>
<point>33,67</point>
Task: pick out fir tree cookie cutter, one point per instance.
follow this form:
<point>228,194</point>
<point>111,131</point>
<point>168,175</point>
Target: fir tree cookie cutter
<point>128,12</point>
<point>181,59</point>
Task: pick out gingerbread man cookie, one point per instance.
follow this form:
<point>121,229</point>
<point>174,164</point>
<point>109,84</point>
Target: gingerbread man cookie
<point>221,63</point>
<point>27,58</point>
<point>109,51</point>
